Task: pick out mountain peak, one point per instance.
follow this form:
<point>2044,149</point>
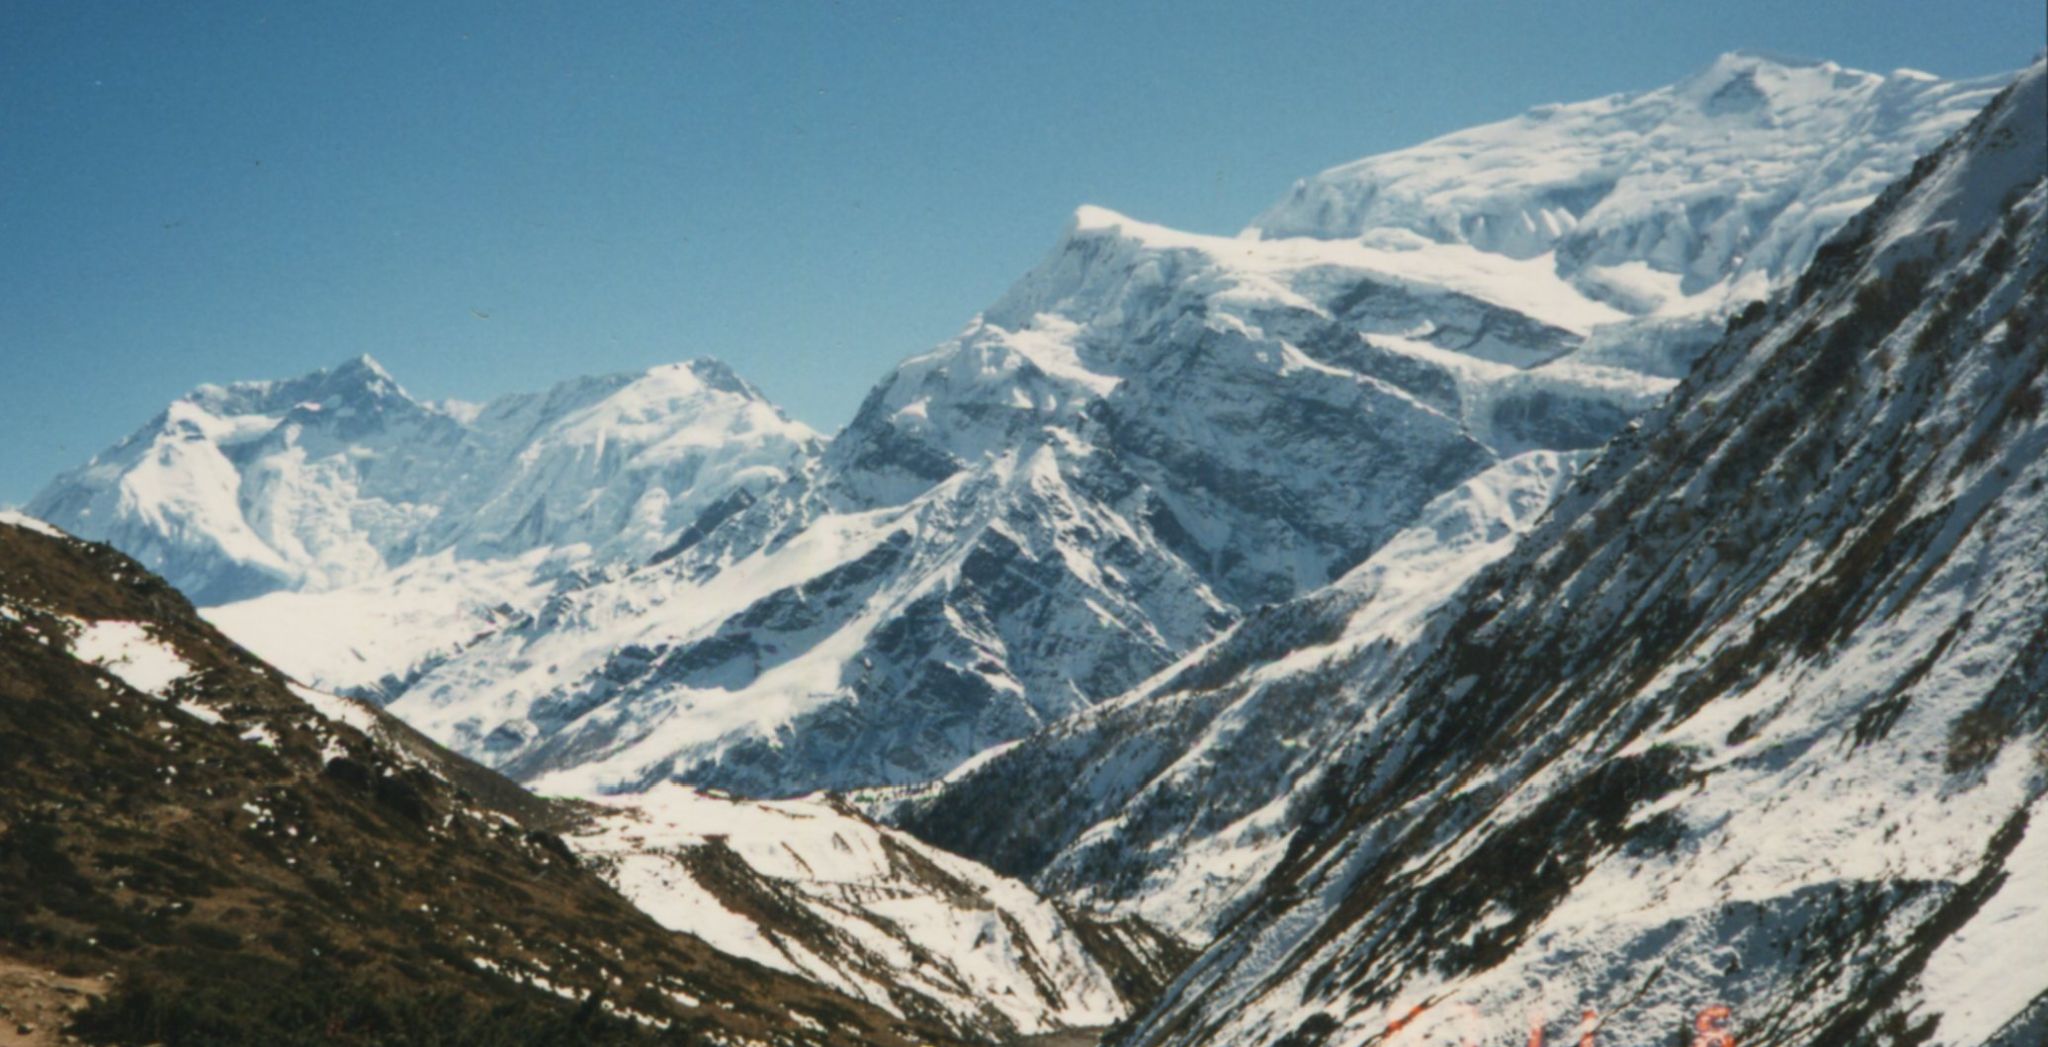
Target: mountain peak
<point>1095,222</point>
<point>1092,217</point>
<point>717,374</point>
<point>357,381</point>
<point>363,362</point>
<point>364,372</point>
<point>1753,55</point>
<point>1748,80</point>
<point>352,392</point>
<point>1595,183</point>
<point>1752,62</point>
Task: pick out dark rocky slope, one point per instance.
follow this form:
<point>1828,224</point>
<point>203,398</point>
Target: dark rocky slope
<point>250,870</point>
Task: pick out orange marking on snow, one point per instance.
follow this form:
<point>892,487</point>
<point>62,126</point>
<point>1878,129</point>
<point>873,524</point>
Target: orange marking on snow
<point>1711,1027</point>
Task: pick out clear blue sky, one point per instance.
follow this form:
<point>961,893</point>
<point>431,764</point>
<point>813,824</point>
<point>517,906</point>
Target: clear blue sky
<point>216,190</point>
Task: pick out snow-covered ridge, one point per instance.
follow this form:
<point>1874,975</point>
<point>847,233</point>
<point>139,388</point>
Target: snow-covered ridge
<point>351,533</point>
<point>811,888</point>
<point>1728,179</point>
<point>29,523</point>
<point>323,481</point>
<point>1528,286</point>
<point>1174,800</point>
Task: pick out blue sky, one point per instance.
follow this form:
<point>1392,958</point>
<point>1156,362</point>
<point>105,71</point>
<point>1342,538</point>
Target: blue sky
<point>810,191</point>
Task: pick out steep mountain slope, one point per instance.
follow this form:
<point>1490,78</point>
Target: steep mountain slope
<point>811,888</point>
<point>325,484</point>
<point>1677,205</point>
<point>1174,800</point>
<point>256,859</point>
<point>1150,435</point>
<point>1752,732</point>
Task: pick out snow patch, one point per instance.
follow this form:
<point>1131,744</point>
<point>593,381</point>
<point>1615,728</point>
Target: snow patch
<point>129,651</point>
<point>29,523</point>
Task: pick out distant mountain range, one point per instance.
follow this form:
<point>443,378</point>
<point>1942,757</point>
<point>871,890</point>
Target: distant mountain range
<point>333,479</point>
<point>636,578</point>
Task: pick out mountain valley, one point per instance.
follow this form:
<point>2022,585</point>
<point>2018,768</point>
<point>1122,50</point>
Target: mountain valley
<point>1580,577</point>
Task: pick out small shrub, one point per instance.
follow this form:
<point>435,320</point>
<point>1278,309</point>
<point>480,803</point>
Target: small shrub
<point>1999,256</point>
<point>2023,403</point>
<point>1976,738</point>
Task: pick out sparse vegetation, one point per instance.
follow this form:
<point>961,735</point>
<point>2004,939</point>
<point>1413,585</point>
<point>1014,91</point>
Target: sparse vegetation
<point>236,999</point>
<point>279,893</point>
<point>1976,738</point>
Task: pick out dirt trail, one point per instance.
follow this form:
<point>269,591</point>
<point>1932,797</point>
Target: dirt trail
<point>36,1005</point>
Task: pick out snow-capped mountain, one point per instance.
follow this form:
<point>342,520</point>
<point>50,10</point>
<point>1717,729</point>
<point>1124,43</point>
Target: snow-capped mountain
<point>355,530</point>
<point>1676,206</point>
<point>1363,595</point>
<point>1175,800</point>
<point>1751,733</point>
<point>1152,434</point>
<point>1658,201</point>
<point>1038,515</point>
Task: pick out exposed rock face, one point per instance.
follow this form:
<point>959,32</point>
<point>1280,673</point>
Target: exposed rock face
<point>1176,799</point>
